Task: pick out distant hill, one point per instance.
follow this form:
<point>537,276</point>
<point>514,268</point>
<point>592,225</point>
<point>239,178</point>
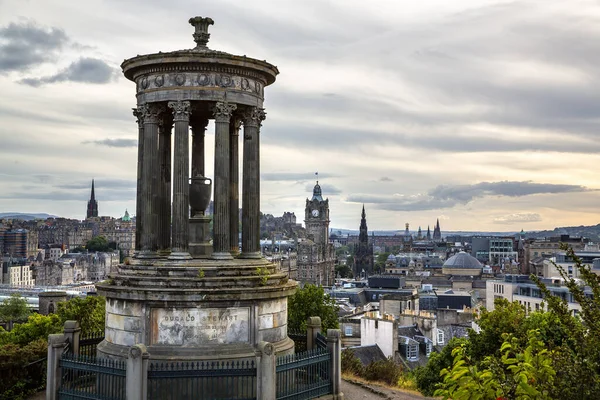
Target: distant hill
<point>592,232</point>
<point>26,216</point>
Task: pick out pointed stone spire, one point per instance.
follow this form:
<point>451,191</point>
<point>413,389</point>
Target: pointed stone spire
<point>92,205</point>
<point>428,233</point>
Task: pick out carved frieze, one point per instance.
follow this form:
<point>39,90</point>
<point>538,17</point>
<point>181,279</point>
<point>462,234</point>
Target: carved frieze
<point>206,80</point>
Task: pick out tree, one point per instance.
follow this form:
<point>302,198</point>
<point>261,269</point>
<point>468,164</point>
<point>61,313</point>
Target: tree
<point>380,260</point>
<point>428,377</point>
<point>343,271</point>
<point>89,311</point>
<point>311,301</point>
<point>14,309</point>
<point>519,373</point>
<point>99,243</point>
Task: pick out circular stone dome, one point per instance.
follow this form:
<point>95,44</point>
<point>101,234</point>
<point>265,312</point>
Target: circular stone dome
<point>462,260</point>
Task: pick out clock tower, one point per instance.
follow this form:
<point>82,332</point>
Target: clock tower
<point>316,217</point>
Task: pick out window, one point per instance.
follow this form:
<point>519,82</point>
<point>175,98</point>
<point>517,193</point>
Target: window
<point>412,352</point>
<point>348,331</point>
<point>440,336</point>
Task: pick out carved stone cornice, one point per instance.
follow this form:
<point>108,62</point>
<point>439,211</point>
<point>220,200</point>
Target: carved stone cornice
<point>223,111</point>
<point>181,110</point>
<point>254,116</point>
<point>151,112</point>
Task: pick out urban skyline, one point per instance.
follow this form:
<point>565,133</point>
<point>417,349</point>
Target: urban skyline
<point>467,112</point>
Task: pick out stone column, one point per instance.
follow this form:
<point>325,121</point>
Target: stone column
<point>313,327</point>
<point>56,345</point>
<point>251,184</point>
<point>136,385</point>
<point>72,333</point>
<point>234,188</point>
<point>198,133</point>
<point>334,345</point>
<point>221,245</point>
<point>150,181</point>
<point>266,385</point>
<point>181,178</point>
<point>138,197</point>
<point>164,215</point>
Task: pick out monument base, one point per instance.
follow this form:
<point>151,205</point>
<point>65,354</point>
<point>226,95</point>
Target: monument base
<point>200,246</point>
<point>196,310</point>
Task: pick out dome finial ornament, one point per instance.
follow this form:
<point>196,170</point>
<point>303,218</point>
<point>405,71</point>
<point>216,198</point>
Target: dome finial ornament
<point>201,34</point>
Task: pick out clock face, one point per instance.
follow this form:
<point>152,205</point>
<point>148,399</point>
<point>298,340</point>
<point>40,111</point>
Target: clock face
<point>315,213</point>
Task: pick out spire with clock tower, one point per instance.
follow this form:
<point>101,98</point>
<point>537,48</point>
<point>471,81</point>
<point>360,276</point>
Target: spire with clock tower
<point>317,216</point>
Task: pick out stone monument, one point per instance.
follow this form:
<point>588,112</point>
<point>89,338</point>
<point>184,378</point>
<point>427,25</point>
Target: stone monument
<point>182,295</point>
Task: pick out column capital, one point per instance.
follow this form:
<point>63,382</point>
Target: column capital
<point>150,112</point>
<point>181,110</point>
<point>223,111</point>
<point>254,116</point>
<point>138,114</point>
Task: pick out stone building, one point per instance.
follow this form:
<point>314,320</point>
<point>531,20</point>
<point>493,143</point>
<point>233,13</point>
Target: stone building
<point>363,253</point>
<point>316,256</point>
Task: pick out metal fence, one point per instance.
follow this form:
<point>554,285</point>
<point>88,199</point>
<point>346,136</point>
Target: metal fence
<point>304,375</point>
<point>299,339</point>
<point>321,341</point>
<point>202,380</point>
<point>85,377</point>
<point>89,343</point>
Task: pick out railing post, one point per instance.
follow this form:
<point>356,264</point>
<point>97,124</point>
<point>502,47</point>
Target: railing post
<point>334,345</point>
<point>137,373</point>
<point>313,326</point>
<point>266,372</point>
<point>56,346</point>
<point>72,332</point>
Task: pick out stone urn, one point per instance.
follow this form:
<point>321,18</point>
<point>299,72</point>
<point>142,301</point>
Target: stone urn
<point>200,190</point>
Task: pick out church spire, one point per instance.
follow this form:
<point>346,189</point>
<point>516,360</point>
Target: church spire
<point>92,205</point>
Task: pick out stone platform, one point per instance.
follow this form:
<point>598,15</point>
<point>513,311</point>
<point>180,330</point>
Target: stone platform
<point>197,309</point>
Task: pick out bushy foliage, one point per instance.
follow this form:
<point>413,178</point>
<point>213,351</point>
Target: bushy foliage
<point>351,364</point>
<point>37,327</point>
<point>23,369</point>
<point>428,377</point>
<point>519,373</point>
<point>383,371</point>
<point>311,301</point>
<point>89,311</point>
<point>14,308</point>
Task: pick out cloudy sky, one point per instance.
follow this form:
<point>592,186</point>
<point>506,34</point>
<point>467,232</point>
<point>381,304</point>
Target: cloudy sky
<point>481,113</point>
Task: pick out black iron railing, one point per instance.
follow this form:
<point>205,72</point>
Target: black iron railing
<point>85,377</point>
<point>304,375</point>
<point>89,343</point>
<point>299,339</point>
<point>202,380</point>
<point>321,341</point>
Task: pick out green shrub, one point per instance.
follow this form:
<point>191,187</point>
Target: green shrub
<point>351,364</point>
<point>384,371</point>
<point>21,374</point>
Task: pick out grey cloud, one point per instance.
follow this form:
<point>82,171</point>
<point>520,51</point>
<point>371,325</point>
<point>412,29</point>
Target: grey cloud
<point>113,142</point>
<point>23,45</point>
<point>518,218</point>
<point>84,70</point>
<point>448,196</point>
<point>385,179</point>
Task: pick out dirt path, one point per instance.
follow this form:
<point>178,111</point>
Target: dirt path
<point>359,391</point>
